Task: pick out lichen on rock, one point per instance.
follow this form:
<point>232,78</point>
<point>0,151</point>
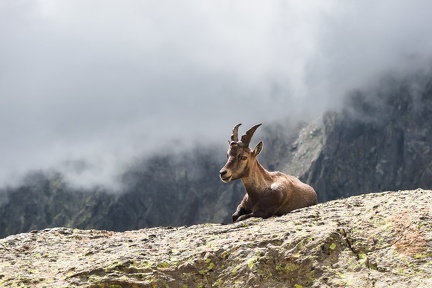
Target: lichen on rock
<point>371,240</point>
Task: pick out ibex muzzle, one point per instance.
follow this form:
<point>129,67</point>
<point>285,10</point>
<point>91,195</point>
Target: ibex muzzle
<point>267,193</point>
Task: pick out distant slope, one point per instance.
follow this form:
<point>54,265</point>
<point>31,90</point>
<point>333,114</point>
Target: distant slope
<point>382,140</point>
<point>168,190</point>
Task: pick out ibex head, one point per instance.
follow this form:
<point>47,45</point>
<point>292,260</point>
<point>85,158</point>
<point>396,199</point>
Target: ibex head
<point>240,156</point>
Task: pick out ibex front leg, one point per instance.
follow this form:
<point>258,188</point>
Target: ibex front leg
<point>265,208</point>
<point>245,208</point>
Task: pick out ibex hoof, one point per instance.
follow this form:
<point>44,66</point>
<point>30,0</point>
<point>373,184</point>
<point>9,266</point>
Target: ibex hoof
<point>234,217</point>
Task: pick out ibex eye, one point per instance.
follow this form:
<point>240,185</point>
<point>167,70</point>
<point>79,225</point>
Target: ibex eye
<point>243,158</point>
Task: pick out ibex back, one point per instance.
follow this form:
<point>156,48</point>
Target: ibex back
<point>267,193</point>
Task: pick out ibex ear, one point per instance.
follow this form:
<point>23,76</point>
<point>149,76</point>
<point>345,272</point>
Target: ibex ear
<point>257,149</point>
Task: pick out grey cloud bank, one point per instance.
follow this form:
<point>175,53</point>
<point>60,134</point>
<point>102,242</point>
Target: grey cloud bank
<point>106,81</point>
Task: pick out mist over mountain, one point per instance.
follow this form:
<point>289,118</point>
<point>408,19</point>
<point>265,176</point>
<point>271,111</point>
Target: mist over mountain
<point>115,116</point>
<point>100,82</point>
<point>380,141</point>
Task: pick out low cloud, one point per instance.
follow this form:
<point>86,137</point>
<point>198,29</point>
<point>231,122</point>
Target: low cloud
<point>104,81</point>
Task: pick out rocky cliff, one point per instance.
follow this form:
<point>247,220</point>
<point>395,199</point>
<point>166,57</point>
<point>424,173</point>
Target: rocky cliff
<point>381,140</point>
<point>371,240</point>
<point>164,190</point>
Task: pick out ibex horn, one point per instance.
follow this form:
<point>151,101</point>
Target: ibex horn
<point>234,135</point>
<point>246,138</point>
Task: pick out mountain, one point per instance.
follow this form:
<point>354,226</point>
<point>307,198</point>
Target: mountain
<point>163,190</point>
<point>380,140</point>
<point>371,240</point>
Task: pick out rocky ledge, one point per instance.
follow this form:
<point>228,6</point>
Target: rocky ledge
<point>371,240</point>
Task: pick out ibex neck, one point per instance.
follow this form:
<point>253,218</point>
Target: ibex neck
<point>258,180</point>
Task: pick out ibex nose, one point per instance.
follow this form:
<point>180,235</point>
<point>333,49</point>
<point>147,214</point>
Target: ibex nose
<point>225,176</point>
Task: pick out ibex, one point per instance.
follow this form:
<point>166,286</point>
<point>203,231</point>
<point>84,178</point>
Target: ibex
<point>267,193</point>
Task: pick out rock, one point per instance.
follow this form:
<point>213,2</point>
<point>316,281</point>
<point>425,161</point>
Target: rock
<point>380,141</point>
<point>371,240</point>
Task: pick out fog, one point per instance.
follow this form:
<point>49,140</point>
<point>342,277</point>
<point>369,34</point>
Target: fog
<point>87,86</point>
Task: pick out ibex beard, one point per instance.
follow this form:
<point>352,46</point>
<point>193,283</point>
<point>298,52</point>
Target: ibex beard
<point>267,193</point>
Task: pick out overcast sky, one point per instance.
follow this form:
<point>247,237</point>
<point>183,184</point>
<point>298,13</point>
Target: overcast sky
<point>107,80</point>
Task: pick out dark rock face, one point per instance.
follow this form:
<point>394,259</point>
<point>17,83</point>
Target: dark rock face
<point>44,200</point>
<point>371,240</point>
<point>381,141</point>
<point>165,190</point>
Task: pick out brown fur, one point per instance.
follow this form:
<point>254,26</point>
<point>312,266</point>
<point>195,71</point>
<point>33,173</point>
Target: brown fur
<point>267,193</point>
